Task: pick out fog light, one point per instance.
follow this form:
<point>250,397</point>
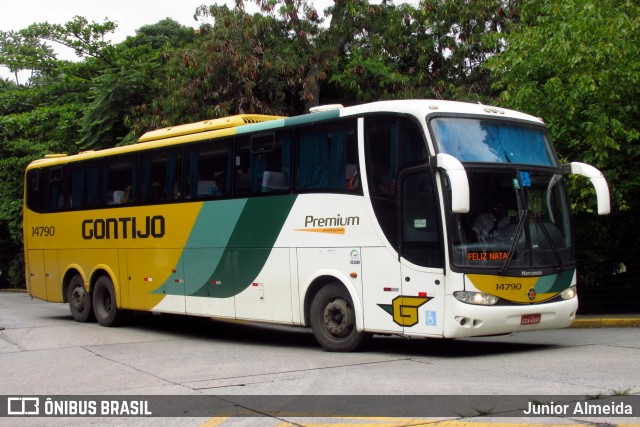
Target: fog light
<point>477,298</point>
<point>569,293</point>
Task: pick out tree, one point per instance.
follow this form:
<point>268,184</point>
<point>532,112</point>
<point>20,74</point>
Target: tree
<point>87,39</point>
<point>20,51</point>
<point>68,106</point>
<point>435,50</point>
<point>240,64</point>
<point>137,66</point>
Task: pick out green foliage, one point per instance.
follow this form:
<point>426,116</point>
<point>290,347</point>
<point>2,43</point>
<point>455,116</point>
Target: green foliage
<point>127,86</point>
<point>163,34</point>
<point>241,64</point>
<point>21,51</point>
<point>436,50</point>
<point>84,37</point>
<point>112,96</point>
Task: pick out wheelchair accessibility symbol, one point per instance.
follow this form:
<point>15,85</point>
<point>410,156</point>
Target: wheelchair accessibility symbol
<point>431,318</point>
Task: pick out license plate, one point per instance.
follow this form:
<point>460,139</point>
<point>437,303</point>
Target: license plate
<point>530,319</point>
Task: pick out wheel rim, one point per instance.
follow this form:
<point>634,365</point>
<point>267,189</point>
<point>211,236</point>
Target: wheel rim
<point>78,298</point>
<point>105,301</point>
<point>337,318</point>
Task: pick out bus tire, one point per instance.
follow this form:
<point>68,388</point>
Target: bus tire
<point>333,320</point>
<point>79,300</point>
<point>104,303</point>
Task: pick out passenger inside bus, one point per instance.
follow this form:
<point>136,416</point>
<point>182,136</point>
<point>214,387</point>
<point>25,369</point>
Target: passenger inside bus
<point>491,222</point>
<point>157,192</point>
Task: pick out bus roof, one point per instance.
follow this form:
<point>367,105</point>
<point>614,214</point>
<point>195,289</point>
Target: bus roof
<point>206,125</point>
<point>247,123</point>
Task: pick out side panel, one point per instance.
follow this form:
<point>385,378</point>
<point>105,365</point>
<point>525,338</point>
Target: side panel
<point>208,282</point>
<point>146,269</point>
<point>423,304</point>
<point>267,296</point>
<point>381,287</point>
<point>36,271</point>
<point>52,276</point>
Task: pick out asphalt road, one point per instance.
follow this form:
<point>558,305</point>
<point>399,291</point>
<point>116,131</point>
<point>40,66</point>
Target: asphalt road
<point>43,352</point>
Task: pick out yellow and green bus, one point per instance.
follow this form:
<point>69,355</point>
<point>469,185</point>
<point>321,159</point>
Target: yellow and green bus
<point>418,218</point>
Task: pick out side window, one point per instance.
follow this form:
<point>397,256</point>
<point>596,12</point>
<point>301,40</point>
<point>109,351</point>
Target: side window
<point>56,189</point>
<point>83,185</point>
<point>391,144</point>
<point>45,189</point>
<point>327,158</point>
<point>120,180</point>
<point>37,190</point>
<point>263,163</point>
<point>160,175</point>
<point>208,170</point>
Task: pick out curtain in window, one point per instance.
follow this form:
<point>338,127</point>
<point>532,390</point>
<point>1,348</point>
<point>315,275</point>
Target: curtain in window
<point>337,160</point>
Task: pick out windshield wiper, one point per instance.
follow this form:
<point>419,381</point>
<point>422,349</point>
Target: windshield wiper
<point>547,236</point>
<point>524,218</point>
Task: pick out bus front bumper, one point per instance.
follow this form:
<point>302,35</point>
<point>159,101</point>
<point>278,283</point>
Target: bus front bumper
<point>467,320</point>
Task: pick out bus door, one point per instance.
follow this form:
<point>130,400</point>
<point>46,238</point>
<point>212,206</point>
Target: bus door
<point>421,255</point>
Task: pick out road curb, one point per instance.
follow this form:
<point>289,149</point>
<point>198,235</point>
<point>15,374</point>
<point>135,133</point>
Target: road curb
<point>607,322</point>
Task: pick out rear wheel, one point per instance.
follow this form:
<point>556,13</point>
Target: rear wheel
<point>104,303</point>
<point>79,300</point>
<point>333,320</point>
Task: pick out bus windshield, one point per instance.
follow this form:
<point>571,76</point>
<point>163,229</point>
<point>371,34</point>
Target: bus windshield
<point>519,215</point>
<point>474,140</point>
<point>519,219</point>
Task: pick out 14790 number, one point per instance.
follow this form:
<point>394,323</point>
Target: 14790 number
<point>43,231</point>
<point>508,286</point>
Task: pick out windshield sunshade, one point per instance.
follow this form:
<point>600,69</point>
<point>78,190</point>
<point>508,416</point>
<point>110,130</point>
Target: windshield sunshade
<point>473,140</point>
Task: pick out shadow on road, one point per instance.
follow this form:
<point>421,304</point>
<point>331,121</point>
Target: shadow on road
<point>242,332</point>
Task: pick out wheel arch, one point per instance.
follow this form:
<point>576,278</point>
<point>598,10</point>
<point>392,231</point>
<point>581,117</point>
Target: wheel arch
<point>103,270</point>
<point>323,278</point>
<point>71,271</point>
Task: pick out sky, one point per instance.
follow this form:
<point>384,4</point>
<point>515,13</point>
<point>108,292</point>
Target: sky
<point>128,14</point>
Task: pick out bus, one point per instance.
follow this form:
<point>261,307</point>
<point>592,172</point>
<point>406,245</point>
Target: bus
<point>421,218</point>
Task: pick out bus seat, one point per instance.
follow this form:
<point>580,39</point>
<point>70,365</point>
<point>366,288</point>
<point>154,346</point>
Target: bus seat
<point>350,176</point>
<point>118,197</point>
<point>207,188</point>
<point>273,181</point>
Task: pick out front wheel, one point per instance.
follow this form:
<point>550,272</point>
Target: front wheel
<point>104,303</point>
<point>79,300</point>
<point>333,320</point>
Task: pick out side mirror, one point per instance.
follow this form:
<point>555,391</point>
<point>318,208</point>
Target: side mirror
<point>597,180</point>
<point>457,179</point>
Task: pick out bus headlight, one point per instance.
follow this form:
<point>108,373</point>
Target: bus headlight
<point>477,298</point>
<point>569,293</point>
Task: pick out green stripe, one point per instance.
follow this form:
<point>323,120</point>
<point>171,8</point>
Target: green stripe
<point>260,127</point>
<point>289,121</point>
<point>554,282</point>
<point>312,118</point>
<point>230,242</point>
